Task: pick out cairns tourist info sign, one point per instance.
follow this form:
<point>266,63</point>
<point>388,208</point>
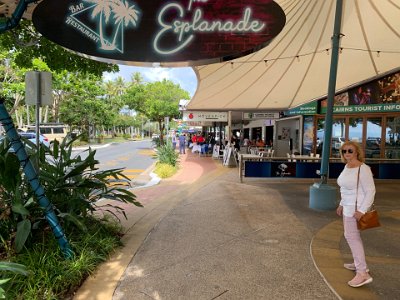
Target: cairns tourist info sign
<point>169,33</point>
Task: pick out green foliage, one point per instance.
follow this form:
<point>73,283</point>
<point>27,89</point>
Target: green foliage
<point>165,170</point>
<point>15,219</point>
<point>156,141</point>
<point>28,44</point>
<point>156,100</point>
<point>11,267</point>
<point>167,155</point>
<point>53,277</point>
<point>72,183</point>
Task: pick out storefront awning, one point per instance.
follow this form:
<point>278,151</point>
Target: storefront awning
<point>294,68</point>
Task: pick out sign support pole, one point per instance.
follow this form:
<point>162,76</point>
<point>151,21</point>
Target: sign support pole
<point>38,104</point>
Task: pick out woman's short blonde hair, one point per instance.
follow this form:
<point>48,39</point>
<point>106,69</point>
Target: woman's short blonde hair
<point>360,153</point>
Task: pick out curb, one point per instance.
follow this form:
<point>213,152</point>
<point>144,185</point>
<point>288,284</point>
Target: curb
<point>91,147</point>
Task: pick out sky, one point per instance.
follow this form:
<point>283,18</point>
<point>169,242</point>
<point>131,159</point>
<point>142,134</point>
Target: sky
<point>185,77</point>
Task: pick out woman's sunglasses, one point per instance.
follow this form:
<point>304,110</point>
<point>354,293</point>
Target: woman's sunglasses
<point>344,151</point>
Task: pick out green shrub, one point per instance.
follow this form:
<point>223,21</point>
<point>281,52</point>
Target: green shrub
<point>165,170</point>
<point>72,184</point>
<point>156,141</point>
<point>5,267</point>
<point>167,155</point>
<point>50,275</point>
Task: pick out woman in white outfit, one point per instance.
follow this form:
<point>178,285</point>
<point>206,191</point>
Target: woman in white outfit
<point>352,155</point>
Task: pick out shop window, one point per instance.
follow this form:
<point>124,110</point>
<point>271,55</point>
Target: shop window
<point>338,136</point>
<point>392,145</point>
<point>373,138</point>
<point>320,135</point>
<point>308,134</point>
<point>356,130</point>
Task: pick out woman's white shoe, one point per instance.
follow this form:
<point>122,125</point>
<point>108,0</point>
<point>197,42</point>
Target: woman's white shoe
<point>360,280</point>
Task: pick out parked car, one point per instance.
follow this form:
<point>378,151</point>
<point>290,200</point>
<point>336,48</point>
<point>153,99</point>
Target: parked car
<point>31,136</point>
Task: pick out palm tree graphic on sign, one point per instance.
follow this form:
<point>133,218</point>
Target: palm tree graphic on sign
<point>121,12</point>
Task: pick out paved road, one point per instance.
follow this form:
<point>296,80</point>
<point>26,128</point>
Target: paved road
<point>134,156</point>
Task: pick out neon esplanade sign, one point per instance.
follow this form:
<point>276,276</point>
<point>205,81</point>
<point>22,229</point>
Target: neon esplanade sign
<point>173,33</point>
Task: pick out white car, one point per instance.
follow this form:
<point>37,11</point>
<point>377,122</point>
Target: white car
<point>31,136</point>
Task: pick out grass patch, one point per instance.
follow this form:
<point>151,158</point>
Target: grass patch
<point>50,275</point>
<point>165,170</point>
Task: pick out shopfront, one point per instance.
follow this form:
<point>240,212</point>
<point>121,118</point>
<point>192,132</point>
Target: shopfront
<point>260,125</point>
<point>368,114</point>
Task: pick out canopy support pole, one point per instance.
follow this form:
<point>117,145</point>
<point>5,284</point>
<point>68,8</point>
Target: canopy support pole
<point>12,22</point>
<point>323,196</point>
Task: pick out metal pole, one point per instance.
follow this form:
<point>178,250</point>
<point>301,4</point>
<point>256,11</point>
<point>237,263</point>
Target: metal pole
<point>38,104</point>
<point>229,127</point>
<point>322,195</point>
<point>331,92</point>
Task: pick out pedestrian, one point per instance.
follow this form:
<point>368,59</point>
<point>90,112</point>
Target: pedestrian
<point>182,142</point>
<point>174,139</point>
<point>356,184</point>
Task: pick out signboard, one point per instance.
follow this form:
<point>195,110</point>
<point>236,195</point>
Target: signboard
<point>35,82</point>
<point>172,33</point>
<point>372,108</point>
<point>378,96</point>
<point>260,115</point>
<point>305,109</point>
<point>199,124</point>
<point>200,116</point>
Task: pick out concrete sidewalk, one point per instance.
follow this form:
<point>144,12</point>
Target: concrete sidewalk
<point>204,235</point>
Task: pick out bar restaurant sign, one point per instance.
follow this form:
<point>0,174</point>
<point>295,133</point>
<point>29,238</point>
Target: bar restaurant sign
<point>201,116</point>
<point>169,33</point>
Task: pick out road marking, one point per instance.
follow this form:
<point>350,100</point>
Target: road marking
<point>128,171</point>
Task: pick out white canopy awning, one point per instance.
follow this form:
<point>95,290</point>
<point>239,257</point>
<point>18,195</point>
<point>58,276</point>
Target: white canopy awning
<point>294,68</point>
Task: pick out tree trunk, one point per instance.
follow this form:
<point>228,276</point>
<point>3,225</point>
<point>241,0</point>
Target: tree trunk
<point>46,114</point>
<point>28,116</point>
<point>161,126</point>
<point>40,115</point>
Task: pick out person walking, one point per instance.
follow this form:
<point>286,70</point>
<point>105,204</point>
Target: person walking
<point>182,143</point>
<point>356,184</point>
<point>174,139</point>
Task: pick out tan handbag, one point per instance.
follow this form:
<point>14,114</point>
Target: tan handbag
<point>370,219</point>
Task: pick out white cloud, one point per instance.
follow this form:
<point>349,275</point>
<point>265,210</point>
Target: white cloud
<point>185,77</point>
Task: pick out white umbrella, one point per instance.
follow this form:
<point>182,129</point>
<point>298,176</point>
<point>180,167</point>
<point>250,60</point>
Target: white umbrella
<point>294,68</point>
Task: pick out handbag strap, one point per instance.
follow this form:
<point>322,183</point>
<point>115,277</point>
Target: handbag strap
<point>358,181</point>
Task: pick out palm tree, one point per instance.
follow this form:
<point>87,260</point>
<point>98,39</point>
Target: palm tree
<point>136,78</point>
<point>114,90</point>
<point>119,86</point>
<point>124,14</point>
<point>102,7</point>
